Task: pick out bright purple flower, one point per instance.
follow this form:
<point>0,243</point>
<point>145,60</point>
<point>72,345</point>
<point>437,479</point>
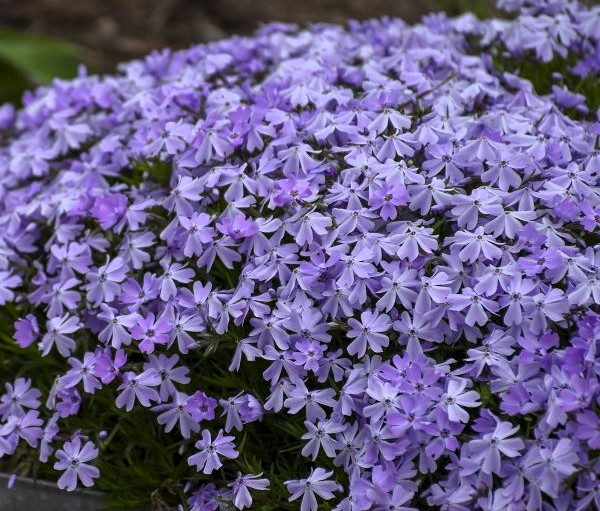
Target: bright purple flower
<point>238,227</point>
<point>108,368</point>
<point>26,331</point>
<point>151,331</point>
<point>389,198</point>
<point>109,210</point>
<point>200,406</point>
<point>134,295</point>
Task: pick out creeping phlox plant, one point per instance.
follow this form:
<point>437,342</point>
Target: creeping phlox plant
<point>341,268</point>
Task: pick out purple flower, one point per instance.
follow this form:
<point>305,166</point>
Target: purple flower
<point>315,484</point>
<point>547,465</point>
<point>177,412</point>
<point>151,331</point>
<point>200,406</point>
<point>208,459</point>
<point>308,354</point>
<point>61,296</point>
<point>300,397</point>
<point>476,243</point>
<point>104,284</point>
<point>138,386</point>
<point>82,371</point>
<point>116,330</point>
<point>455,398</point>
<point>478,305</point>
<point>241,495</point>
<point>388,198</point>
<point>198,232</point>
<point>319,437</point>
<point>19,396</point>
<point>7,283</point>
<point>368,331</point>
<point>281,204</point>
<point>26,331</point>
<point>174,273</point>
<point>588,428</point>
<point>58,329</point>
<point>72,459</point>
<point>134,295</point>
<point>487,450</point>
<point>238,227</point>
<point>109,210</point>
<point>169,374</point>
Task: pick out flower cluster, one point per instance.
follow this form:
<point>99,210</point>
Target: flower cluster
<point>398,236</point>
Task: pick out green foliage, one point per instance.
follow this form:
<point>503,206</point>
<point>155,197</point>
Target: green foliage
<point>156,169</point>
<point>540,74</point>
<point>27,61</point>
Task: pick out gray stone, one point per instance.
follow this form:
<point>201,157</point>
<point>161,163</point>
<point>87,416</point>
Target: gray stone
<point>28,494</point>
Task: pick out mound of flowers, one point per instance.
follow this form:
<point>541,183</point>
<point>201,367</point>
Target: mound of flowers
<point>338,268</point>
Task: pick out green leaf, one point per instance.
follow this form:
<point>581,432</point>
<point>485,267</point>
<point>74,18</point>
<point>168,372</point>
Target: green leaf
<point>28,60</point>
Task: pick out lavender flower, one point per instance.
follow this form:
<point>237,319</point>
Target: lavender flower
<point>379,227</point>
<point>72,459</point>
<point>207,459</point>
<point>315,484</point>
<point>241,495</point>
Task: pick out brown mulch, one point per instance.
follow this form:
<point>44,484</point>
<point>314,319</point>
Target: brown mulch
<point>112,31</point>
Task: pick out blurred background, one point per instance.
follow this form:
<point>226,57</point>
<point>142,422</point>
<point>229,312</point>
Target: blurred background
<point>40,39</point>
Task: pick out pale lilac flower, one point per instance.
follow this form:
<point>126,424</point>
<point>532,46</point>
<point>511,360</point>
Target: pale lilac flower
<point>7,283</point>
<point>177,412</point>
<point>316,484</point>
<point>456,398</point>
<point>487,450</point>
<point>104,284</point>
<point>58,330</point>
<point>207,460</point>
<point>319,437</point>
<point>73,458</point>
<point>368,332</point>
<point>241,495</point>
<point>138,386</point>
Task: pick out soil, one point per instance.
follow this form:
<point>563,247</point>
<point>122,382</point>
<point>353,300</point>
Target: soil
<point>112,31</point>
